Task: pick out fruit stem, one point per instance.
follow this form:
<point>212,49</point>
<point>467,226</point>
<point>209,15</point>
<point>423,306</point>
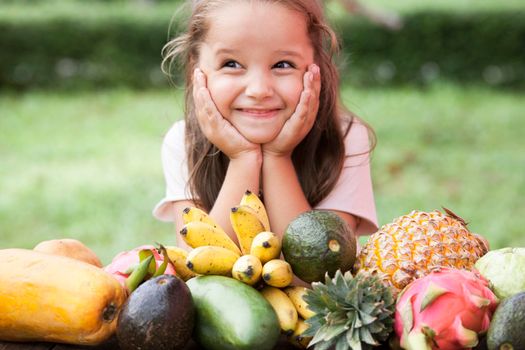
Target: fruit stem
<point>138,275</point>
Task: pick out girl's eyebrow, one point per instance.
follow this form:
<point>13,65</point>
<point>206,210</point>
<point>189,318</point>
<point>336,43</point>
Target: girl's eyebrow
<point>289,53</point>
<point>225,51</point>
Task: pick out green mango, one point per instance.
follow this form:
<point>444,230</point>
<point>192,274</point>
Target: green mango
<point>232,315</point>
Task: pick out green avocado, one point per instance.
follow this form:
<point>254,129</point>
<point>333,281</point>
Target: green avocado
<point>317,242</point>
<point>231,315</point>
<point>506,327</point>
<point>158,315</point>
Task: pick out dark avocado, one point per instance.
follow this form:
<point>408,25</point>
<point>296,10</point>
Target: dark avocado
<point>506,327</point>
<point>158,315</point>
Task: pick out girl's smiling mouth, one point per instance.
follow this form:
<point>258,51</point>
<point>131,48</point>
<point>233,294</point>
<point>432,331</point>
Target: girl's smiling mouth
<point>259,112</point>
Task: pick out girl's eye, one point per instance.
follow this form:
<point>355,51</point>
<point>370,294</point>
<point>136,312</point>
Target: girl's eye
<point>231,64</point>
<point>284,65</point>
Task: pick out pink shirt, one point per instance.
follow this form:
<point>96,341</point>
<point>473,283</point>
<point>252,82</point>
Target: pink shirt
<point>352,193</point>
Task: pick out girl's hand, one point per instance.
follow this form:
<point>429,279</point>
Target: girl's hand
<point>218,130</point>
<point>302,120</point>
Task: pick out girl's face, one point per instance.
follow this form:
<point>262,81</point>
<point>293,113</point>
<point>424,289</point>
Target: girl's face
<point>254,57</point>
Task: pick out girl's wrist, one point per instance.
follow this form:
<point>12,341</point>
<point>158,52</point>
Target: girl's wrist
<point>276,160</point>
<point>276,156</point>
<point>251,158</point>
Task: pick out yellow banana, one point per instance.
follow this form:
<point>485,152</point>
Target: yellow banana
<point>277,273</point>
<point>211,260</point>
<point>253,201</point>
<point>190,214</point>
<point>295,293</point>
<point>297,338</point>
<point>246,225</point>
<point>198,234</point>
<point>247,269</point>
<point>266,246</point>
<point>178,257</point>
<point>283,307</point>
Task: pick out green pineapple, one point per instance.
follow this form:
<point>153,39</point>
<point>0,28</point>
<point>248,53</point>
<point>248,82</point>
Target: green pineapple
<point>350,312</point>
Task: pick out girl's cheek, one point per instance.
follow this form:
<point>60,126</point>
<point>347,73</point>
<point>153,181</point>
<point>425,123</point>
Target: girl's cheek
<point>218,83</point>
<point>293,89</point>
<point>220,93</point>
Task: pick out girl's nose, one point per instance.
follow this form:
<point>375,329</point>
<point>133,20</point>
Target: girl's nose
<point>259,85</point>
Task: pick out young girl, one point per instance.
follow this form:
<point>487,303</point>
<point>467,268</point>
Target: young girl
<point>263,114</point>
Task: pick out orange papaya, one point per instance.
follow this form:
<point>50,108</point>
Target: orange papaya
<point>45,297</point>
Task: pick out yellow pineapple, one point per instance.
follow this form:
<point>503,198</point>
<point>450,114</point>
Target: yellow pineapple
<point>413,244</point>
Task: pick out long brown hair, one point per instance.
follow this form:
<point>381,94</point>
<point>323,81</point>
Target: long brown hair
<point>319,157</point>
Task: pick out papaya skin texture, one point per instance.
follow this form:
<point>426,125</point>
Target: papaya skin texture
<point>53,298</point>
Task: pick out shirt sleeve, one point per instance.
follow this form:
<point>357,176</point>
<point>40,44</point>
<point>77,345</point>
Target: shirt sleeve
<point>174,165</point>
<point>353,191</point>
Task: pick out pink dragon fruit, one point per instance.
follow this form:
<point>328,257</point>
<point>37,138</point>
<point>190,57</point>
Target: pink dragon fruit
<point>444,310</point>
<point>121,263</point>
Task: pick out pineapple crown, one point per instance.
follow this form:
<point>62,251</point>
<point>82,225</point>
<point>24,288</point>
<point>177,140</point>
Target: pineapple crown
<point>350,312</point>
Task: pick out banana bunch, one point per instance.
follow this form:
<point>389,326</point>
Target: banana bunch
<point>215,253</point>
<point>178,257</point>
<point>249,219</point>
<point>296,293</point>
<point>201,230</point>
<point>255,261</point>
<point>260,247</point>
<point>291,310</point>
<point>297,339</point>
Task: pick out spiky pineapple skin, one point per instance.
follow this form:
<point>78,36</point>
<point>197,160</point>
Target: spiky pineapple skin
<point>412,245</point>
<point>351,312</point>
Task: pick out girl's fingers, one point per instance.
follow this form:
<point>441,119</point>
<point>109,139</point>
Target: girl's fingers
<point>205,108</point>
<point>306,110</point>
<point>197,84</point>
<point>198,92</point>
<point>306,96</point>
<point>307,106</point>
<point>201,95</point>
<point>316,89</point>
<point>316,86</point>
<point>307,102</point>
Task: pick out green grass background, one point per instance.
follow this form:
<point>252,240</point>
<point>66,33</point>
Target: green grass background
<point>36,9</point>
<point>87,164</point>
